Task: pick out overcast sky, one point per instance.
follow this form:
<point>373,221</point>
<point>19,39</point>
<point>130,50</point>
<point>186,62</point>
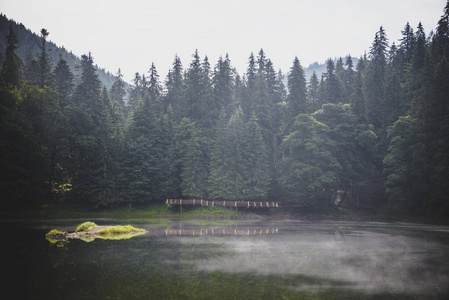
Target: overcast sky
<point>132,34</point>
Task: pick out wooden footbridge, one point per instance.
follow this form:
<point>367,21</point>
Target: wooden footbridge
<point>222,203</point>
<point>221,231</point>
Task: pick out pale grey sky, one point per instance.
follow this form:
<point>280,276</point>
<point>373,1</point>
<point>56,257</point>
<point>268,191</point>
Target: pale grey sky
<point>132,34</point>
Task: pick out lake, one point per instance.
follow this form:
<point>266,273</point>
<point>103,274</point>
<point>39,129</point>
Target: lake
<point>229,260</point>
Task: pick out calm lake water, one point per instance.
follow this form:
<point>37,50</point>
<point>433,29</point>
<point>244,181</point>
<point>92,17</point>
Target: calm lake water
<point>225,260</point>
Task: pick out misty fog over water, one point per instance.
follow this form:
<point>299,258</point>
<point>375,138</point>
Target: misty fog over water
<point>226,260</point>
<point>372,258</point>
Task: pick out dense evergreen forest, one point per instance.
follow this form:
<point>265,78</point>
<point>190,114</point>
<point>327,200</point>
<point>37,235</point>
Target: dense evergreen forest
<point>29,46</point>
<point>378,131</point>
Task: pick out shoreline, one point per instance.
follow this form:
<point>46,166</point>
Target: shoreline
<point>162,212</point>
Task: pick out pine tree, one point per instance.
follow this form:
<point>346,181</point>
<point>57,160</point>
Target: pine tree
<point>86,120</point>
<point>223,88</point>
<point>219,181</point>
<point>171,167</point>
<point>333,91</point>
<point>64,82</point>
<point>255,161</point>
<point>297,91</point>
<point>239,168</point>
<point>407,43</point>
<point>44,63</point>
<point>193,159</point>
<point>441,38</point>
<point>155,90</point>
<point>175,89</point>
<point>11,69</point>
<point>195,82</point>
<point>348,78</point>
<point>251,72</point>
<point>262,62</point>
<point>137,93</point>
<point>144,155</point>
<point>309,170</point>
<point>353,149</point>
<point>358,99</point>
<point>375,80</point>
<point>249,93</point>
<point>263,108</point>
<point>313,92</point>
<point>398,164</point>
<point>394,106</point>
<point>235,151</point>
<point>118,93</point>
<point>419,50</point>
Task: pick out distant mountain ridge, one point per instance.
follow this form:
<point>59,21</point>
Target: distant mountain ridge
<point>319,69</point>
<point>29,43</point>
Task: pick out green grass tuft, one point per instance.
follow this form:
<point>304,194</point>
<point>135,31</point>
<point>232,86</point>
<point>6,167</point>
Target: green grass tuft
<point>119,229</point>
<point>86,226</point>
<point>53,231</point>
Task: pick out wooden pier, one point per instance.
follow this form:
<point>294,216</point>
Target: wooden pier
<point>223,203</point>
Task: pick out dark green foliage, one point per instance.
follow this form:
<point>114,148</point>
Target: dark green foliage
<point>44,63</point>
<point>175,90</point>
<point>379,132</point>
<point>333,90</point>
<point>297,100</point>
<point>143,155</point>
<point>11,68</point>
<point>239,168</point>
<point>375,80</point>
<point>192,148</point>
<point>118,93</point>
<point>255,157</point>
<point>353,147</point>
<point>29,47</point>
<point>314,93</point>
<point>309,170</point>
<point>64,82</point>
<point>358,99</point>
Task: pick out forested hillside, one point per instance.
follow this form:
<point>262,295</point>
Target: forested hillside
<point>29,46</point>
<point>377,131</point>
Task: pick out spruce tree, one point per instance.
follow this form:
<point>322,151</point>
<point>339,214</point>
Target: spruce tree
<point>358,99</point>
<point>44,63</point>
<point>64,82</point>
<point>249,93</point>
<point>297,91</point>
<point>11,69</point>
<point>86,120</point>
<point>144,155</point>
<point>313,92</point>
<point>309,170</point>
<point>348,79</point>
<point>375,81</point>
<point>194,90</point>
<point>118,93</point>
<point>223,88</point>
<point>193,160</point>
<point>407,43</point>
<point>333,91</point>
<point>441,36</point>
<point>255,161</point>
<point>175,89</point>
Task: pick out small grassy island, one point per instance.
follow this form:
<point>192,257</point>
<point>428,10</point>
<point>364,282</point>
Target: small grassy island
<point>89,231</point>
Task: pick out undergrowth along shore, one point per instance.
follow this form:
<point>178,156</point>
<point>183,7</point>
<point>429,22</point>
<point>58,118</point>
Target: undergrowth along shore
<point>155,210</point>
<point>328,213</point>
